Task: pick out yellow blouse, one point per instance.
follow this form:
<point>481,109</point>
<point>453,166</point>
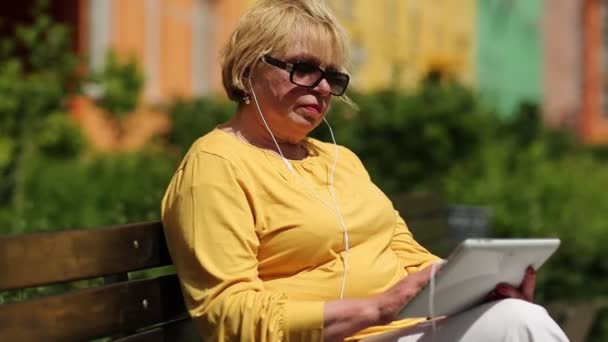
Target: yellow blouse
<point>258,250</point>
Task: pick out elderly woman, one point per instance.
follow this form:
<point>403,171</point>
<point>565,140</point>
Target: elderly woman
<point>277,236</point>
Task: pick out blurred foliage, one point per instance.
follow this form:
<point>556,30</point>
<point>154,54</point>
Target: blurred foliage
<point>94,191</point>
<point>116,87</point>
<point>61,137</point>
<point>408,141</point>
<point>190,119</point>
<point>599,331</point>
<point>37,74</point>
<point>539,183</point>
<point>50,180</point>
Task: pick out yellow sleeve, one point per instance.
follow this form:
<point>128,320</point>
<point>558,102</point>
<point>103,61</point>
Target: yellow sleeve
<point>413,256</point>
<point>210,232</point>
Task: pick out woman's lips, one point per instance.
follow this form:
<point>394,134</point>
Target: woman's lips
<point>311,108</point>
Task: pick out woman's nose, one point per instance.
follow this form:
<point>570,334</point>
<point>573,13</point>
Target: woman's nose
<point>323,88</point>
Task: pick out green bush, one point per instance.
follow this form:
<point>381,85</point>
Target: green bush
<point>117,86</point>
<point>191,119</point>
<point>94,191</point>
<point>37,76</point>
<point>539,183</point>
<point>60,137</point>
<point>408,141</point>
<point>535,190</point>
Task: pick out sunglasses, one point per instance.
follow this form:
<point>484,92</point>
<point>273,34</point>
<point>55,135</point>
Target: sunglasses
<point>309,75</point>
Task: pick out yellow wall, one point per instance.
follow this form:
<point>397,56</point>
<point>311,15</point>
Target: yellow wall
<point>396,42</point>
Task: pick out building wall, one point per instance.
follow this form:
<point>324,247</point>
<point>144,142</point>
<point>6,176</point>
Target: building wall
<point>397,42</point>
<point>545,51</point>
<point>593,116</point>
<point>509,52</point>
<point>394,42</point>
<point>176,42</point>
<point>562,61</point>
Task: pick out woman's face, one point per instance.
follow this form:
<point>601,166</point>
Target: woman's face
<point>290,110</point>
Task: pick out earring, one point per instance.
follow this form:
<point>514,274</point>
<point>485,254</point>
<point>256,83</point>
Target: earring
<point>247,99</point>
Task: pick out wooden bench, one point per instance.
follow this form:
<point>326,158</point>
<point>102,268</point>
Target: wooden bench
<point>121,303</point>
<point>115,306</point>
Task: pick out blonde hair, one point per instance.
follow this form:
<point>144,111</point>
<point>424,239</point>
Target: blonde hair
<point>273,26</point>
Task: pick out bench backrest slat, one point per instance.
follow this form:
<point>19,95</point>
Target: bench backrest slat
<point>45,258</point>
<point>95,312</point>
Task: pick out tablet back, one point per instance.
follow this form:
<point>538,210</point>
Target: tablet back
<point>473,270</point>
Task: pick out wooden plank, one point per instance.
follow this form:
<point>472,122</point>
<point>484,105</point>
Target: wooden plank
<point>179,331</point>
<point>92,313</point>
<point>152,335</point>
<point>183,331</point>
<point>43,258</point>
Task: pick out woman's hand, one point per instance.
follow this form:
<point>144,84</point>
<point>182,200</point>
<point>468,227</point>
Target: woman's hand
<point>345,317</point>
<point>390,302</point>
<point>525,291</point>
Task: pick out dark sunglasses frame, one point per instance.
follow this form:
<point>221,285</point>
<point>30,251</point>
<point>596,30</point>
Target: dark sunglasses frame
<point>291,68</point>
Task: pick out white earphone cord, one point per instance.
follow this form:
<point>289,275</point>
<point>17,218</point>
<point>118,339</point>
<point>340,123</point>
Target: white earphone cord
<point>333,196</point>
<point>331,184</point>
<point>432,297</point>
<point>255,99</point>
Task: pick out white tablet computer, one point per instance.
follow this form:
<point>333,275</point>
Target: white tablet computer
<point>474,269</point>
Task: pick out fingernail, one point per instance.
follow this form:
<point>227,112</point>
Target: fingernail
<point>530,270</point>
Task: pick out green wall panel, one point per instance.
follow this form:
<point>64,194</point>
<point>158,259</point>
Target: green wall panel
<point>509,52</point>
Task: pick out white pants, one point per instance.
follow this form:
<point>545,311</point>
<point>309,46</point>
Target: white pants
<point>505,320</point>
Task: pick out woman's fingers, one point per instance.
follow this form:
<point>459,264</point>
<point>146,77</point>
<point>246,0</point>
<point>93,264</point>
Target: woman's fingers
<point>390,302</point>
<point>508,291</point>
<point>422,277</point>
<point>525,290</point>
<point>529,284</point>
<point>409,286</point>
<point>493,296</point>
